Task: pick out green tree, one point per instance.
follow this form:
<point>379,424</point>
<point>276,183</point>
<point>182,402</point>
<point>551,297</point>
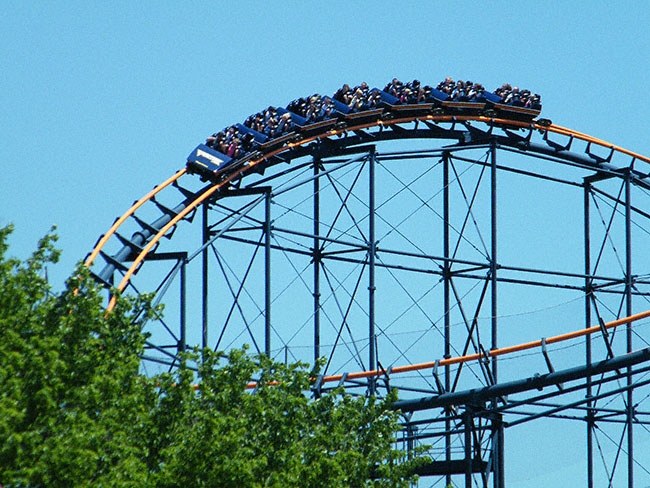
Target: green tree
<point>75,412</point>
<point>275,436</point>
<point>70,393</point>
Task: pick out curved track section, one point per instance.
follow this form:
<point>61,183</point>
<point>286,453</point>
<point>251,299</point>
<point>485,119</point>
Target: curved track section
<point>145,241</point>
<point>477,399</point>
<point>136,249</point>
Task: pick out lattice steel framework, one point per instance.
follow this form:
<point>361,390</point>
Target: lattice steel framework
<point>375,250</point>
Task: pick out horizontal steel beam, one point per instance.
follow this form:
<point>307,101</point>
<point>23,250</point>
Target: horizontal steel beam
<point>479,396</point>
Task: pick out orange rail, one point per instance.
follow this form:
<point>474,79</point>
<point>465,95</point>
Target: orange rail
<point>152,243</point>
<point>399,369</point>
<point>100,244</point>
<point>475,357</point>
<point>600,142</point>
<point>444,118</point>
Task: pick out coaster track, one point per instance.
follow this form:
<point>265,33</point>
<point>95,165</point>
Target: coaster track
<point>237,173</point>
<point>466,131</point>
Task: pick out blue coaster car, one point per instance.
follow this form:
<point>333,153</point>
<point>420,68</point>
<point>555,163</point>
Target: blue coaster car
<point>258,137</point>
<point>398,108</point>
<point>512,110</point>
<point>459,105</point>
<point>319,123</point>
<point>365,114</point>
<point>207,162</point>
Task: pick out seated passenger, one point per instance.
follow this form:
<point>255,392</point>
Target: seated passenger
<point>299,106</point>
<point>513,97</point>
<point>222,140</point>
<point>313,109</point>
<point>327,107</point>
<point>222,145</point>
<point>270,125</point>
<point>534,102</point>
<point>475,91</point>
<point>503,91</point>
<point>233,148</point>
<point>259,123</point>
<point>246,143</point>
<point>458,92</point>
<point>343,94</point>
<point>406,95</point>
<point>394,88</point>
<point>373,99</point>
<point>415,92</point>
<point>359,97</point>
<point>270,113</point>
<point>427,92</point>
<point>284,124</point>
<point>319,108</point>
<point>524,97</point>
<point>447,86</point>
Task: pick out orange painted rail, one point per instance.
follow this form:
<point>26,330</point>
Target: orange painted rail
<point>475,357</point>
<point>244,169</point>
<point>100,244</point>
<point>241,171</point>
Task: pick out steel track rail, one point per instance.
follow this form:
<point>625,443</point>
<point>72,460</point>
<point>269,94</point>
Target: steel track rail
<point>239,172</point>
<point>489,354</point>
<point>503,351</point>
<point>104,239</point>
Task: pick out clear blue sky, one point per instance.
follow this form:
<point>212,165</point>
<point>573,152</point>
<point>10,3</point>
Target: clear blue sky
<point>102,101</point>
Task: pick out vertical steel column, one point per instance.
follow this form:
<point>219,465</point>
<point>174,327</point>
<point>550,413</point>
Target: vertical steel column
<point>204,256</point>
<point>267,275</point>
<point>183,305</point>
<point>628,303</point>
<point>468,421</point>
<point>499,477</point>
<point>588,292</point>
<point>372,247</point>
<point>447,277</point>
<point>410,443</point>
<point>316,259</point>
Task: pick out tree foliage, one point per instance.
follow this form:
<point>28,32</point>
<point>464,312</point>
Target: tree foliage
<point>70,393</point>
<point>74,410</point>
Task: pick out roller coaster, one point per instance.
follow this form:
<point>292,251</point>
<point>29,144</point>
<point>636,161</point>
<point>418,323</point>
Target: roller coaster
<point>405,265</point>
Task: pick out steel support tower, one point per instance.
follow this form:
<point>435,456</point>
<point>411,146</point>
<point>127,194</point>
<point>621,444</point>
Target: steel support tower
<point>439,244</point>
